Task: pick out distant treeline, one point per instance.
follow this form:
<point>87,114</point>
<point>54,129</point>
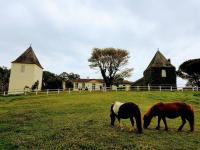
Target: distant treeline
<point>53,81</point>
<point>49,81</point>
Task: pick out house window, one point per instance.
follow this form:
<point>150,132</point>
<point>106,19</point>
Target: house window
<point>93,86</point>
<point>22,68</point>
<point>163,73</point>
<point>83,85</point>
<point>76,85</point>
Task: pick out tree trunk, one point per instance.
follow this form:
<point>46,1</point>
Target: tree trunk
<point>106,80</point>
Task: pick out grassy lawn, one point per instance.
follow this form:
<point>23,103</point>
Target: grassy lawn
<point>81,121</point>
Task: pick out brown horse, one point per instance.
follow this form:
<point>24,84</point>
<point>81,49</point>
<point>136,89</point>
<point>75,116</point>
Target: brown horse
<point>170,110</point>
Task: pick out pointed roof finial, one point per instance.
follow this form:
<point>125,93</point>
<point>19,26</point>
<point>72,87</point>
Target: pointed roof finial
<point>158,49</point>
<point>30,44</point>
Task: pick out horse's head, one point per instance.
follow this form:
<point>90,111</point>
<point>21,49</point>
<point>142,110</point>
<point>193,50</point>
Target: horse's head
<point>148,116</point>
<point>146,120</point>
<point>112,115</point>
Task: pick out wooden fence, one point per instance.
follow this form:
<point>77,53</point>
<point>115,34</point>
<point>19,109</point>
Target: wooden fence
<point>105,89</point>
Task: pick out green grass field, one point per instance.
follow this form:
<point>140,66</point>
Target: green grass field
<point>81,121</point>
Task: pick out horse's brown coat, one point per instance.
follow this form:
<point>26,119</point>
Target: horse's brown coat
<point>170,110</point>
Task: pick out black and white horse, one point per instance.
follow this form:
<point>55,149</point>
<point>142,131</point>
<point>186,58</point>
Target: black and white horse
<point>124,111</point>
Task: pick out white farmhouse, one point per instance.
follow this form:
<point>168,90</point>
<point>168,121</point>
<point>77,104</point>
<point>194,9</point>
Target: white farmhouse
<point>97,84</point>
<point>26,70</point>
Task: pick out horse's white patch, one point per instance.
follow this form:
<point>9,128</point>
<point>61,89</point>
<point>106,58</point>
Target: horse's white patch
<point>116,107</point>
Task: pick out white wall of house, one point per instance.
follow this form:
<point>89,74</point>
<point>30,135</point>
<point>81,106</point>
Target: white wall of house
<point>94,85</point>
<point>24,75</point>
<point>125,87</point>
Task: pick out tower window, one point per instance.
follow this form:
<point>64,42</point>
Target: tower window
<point>22,68</point>
<point>163,73</point>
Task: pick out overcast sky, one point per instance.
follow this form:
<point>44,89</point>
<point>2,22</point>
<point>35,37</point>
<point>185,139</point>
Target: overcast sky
<point>63,32</point>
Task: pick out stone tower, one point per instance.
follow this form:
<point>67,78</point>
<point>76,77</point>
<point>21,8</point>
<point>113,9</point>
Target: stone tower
<point>160,72</point>
<point>26,70</point>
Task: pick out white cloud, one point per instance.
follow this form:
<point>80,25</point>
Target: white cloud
<point>64,32</point>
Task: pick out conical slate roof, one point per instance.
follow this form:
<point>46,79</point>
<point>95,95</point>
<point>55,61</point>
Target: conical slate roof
<point>28,57</point>
<point>159,60</point>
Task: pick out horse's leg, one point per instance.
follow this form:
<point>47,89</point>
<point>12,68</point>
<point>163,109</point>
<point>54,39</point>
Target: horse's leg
<point>120,125</point>
<point>165,122</point>
<point>183,123</point>
<point>132,123</point>
<point>158,126</point>
<point>119,122</point>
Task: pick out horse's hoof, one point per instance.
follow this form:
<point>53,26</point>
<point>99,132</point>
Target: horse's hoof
<point>157,128</point>
<point>139,132</point>
<point>122,129</point>
<point>120,126</point>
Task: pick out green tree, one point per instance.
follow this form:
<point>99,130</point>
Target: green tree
<point>4,78</point>
<point>35,85</point>
<point>111,62</point>
<point>51,81</point>
<point>68,78</point>
<point>190,70</point>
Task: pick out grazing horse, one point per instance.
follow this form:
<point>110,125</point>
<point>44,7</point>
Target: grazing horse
<point>126,110</point>
<point>170,110</point>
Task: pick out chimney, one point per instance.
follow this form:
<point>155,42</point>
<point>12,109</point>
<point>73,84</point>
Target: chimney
<point>169,60</point>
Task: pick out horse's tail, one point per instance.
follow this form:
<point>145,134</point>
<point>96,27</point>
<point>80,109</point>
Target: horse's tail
<point>138,121</point>
<point>191,117</point>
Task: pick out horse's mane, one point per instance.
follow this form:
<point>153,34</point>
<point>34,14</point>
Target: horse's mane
<point>149,112</point>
